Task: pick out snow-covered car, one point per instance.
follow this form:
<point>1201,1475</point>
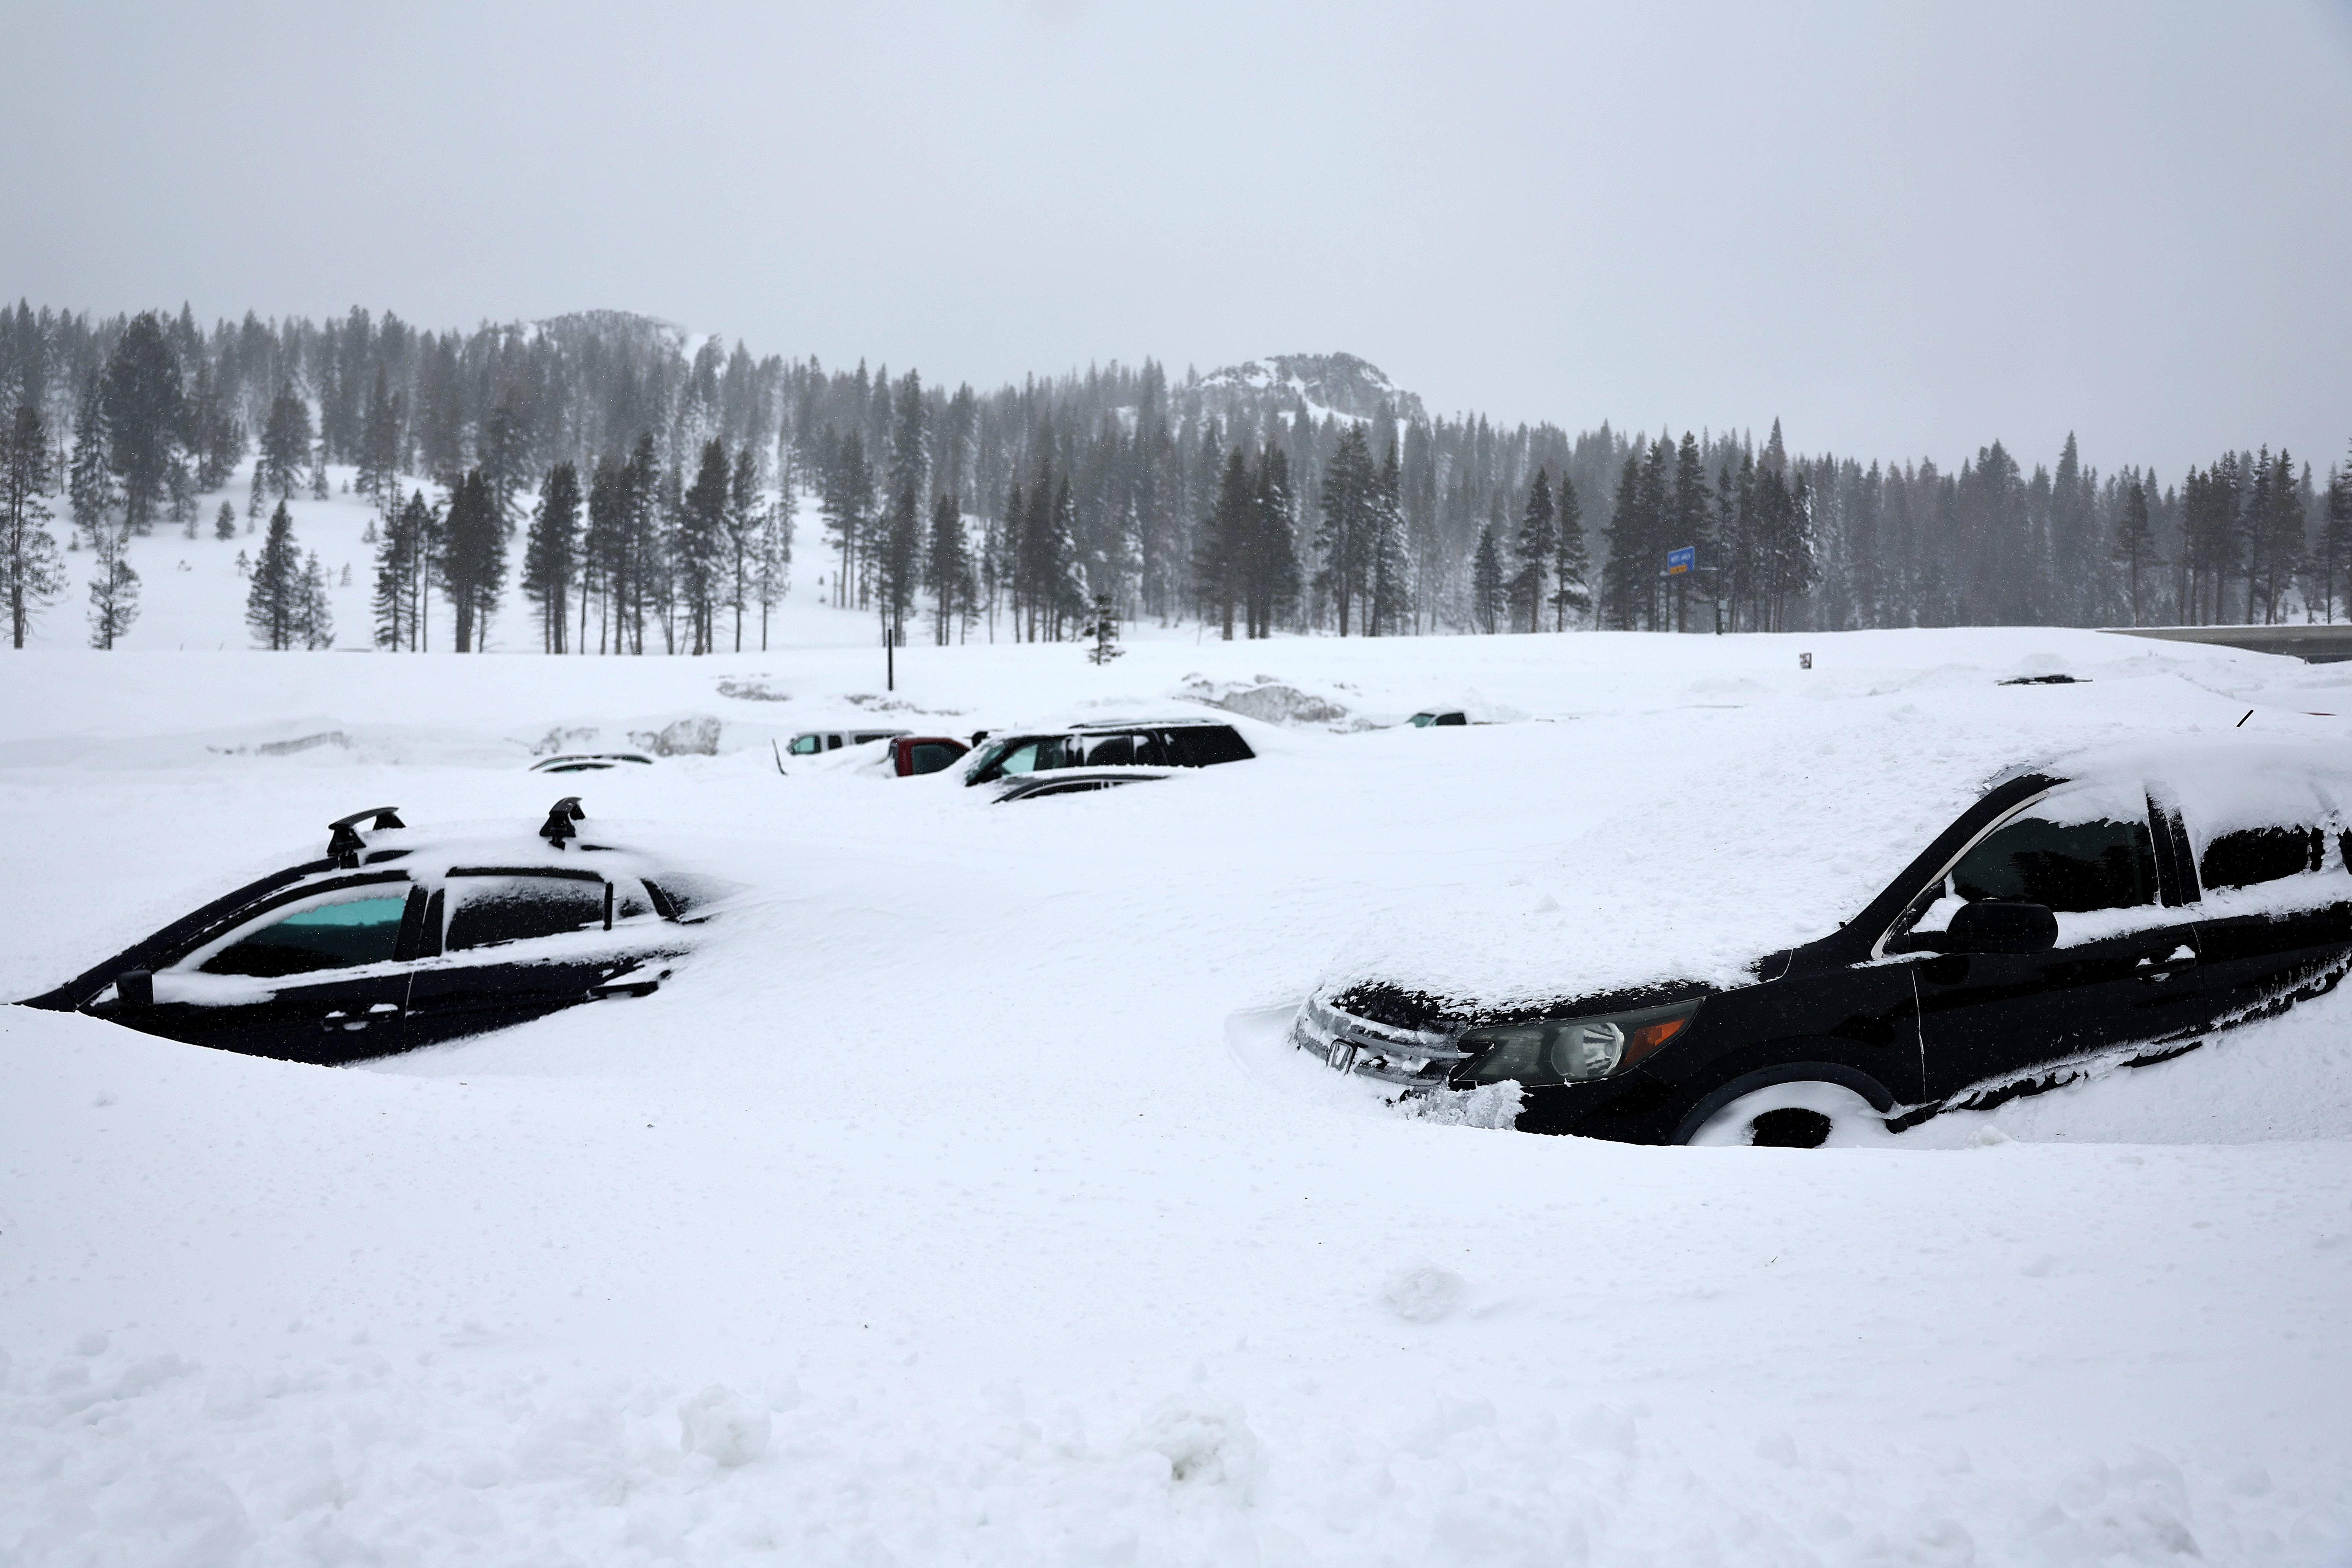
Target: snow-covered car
<point>913,755</point>
<point>809,742</point>
<point>1439,717</point>
<point>2111,908</point>
<point>589,761</point>
<point>1156,743</point>
<point>1071,781</point>
<point>396,940</point>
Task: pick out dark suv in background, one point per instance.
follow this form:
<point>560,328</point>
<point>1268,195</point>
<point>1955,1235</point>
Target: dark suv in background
<point>1155,743</point>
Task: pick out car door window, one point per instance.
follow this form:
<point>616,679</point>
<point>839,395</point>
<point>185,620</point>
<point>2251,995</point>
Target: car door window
<point>491,910</point>
<point>338,930</point>
<point>806,745</point>
<point>931,757</point>
<point>2251,856</point>
<point>629,902</point>
<point>2083,852</point>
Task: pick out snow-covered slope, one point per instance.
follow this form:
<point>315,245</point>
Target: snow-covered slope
<point>960,1204</point>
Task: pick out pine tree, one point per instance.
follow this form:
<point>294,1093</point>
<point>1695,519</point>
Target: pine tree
<point>285,444</point>
<point>314,620</point>
<point>1624,581</point>
<point>846,500</point>
<point>699,549</point>
<point>215,434</point>
<point>2279,523</point>
<point>400,573</point>
<point>1104,629</point>
<point>604,554</point>
<point>911,440</point>
<point>2134,541</point>
<point>773,576</point>
<point>1390,569</point>
<point>1488,592</point>
<point>1270,560</point>
<point>744,514</point>
<point>2335,556</point>
<point>947,568</point>
<point>145,414</point>
<point>274,603</point>
<point>1219,550</point>
<point>380,443</point>
<point>114,586</point>
<point>31,573</point>
<point>473,559</point>
<point>1350,506</point>
<point>550,551</point>
<point>89,483</point>
<point>1538,541</point>
<point>1571,565</point>
<point>1735,533</point>
<point>1686,519</point>
<point>225,522</point>
<point>644,576</point>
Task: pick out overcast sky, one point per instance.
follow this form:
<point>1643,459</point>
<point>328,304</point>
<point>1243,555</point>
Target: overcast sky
<point>1902,231</point>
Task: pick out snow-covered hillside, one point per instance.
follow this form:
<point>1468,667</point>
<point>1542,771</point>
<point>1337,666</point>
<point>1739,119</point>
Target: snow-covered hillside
<point>960,1202</point>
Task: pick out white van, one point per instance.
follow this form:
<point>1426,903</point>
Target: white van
<point>810,742</point>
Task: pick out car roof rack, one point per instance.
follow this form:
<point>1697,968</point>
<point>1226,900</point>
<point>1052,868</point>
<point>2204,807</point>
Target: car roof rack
<point>1180,721</point>
<point>343,841</point>
<point>559,817</point>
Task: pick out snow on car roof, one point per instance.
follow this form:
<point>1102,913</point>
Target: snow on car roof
<point>1751,831</point>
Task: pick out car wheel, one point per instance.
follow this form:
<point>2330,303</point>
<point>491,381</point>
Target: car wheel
<point>1805,1114</point>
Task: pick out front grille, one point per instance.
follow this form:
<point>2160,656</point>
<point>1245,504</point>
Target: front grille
<point>1414,1059</point>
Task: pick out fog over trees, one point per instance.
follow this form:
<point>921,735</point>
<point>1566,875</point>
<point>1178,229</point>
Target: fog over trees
<point>642,487</point>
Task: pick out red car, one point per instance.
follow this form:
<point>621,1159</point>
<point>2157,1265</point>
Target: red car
<point>911,754</point>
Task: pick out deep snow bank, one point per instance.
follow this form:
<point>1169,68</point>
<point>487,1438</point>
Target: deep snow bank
<point>941,1168</point>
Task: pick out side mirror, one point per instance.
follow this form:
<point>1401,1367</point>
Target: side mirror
<point>1998,925</point>
<point>136,987</point>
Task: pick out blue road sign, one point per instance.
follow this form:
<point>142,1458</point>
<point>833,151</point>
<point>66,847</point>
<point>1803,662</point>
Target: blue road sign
<point>1681,561</point>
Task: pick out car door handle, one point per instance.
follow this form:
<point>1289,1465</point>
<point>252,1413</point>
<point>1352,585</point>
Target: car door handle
<point>379,1013</point>
<point>2155,969</point>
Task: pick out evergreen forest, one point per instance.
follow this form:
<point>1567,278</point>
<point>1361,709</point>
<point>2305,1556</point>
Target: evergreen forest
<point>646,490</point>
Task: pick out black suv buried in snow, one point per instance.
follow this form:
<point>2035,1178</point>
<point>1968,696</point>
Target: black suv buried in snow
<point>1153,743</point>
<point>2114,911</point>
<point>395,941</point>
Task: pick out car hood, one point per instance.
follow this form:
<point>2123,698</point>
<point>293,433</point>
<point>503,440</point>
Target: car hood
<point>1764,830</point>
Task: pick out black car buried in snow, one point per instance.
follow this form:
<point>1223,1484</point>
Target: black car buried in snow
<point>396,940</point>
<point>1147,744</point>
<point>2113,911</point>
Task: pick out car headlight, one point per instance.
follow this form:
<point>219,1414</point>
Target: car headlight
<point>1572,1050</point>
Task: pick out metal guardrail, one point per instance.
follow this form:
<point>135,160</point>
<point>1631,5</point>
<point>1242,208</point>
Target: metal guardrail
<point>2312,643</point>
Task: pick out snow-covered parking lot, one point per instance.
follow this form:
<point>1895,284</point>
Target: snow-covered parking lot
<point>959,1201</point>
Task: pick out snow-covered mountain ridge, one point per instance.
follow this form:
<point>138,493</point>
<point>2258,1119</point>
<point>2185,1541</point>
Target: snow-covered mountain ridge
<point>1335,384</point>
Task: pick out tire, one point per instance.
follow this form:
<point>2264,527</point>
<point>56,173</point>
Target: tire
<point>1802,1113</point>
